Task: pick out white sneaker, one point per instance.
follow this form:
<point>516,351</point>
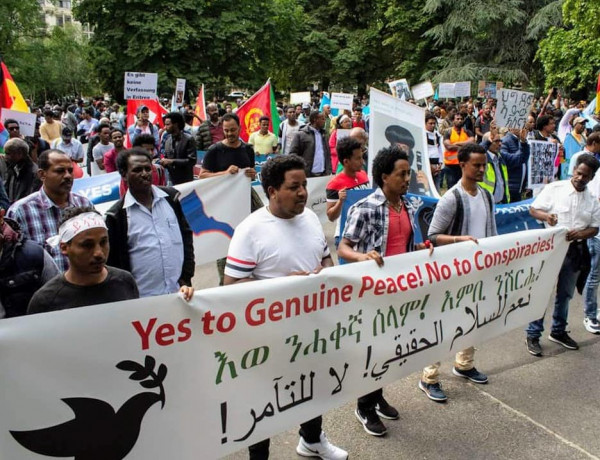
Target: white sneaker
<point>322,449</point>
<point>592,325</point>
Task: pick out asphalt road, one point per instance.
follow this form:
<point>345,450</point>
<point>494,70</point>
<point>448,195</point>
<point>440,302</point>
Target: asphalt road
<point>531,408</point>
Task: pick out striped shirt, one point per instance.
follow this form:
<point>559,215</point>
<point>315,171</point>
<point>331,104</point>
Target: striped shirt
<point>265,246</point>
<point>38,217</point>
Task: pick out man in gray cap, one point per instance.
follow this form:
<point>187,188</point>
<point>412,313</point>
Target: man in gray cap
<point>66,143</point>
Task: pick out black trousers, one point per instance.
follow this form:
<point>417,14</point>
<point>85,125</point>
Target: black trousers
<point>310,431</point>
<point>369,401</point>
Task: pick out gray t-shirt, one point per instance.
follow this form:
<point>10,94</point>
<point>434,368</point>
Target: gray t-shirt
<point>100,149</point>
<point>59,294</point>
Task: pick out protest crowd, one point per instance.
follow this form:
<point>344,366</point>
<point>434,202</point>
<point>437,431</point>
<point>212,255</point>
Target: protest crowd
<point>58,252</point>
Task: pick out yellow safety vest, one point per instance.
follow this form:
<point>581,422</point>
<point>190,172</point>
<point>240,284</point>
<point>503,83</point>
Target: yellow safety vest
<point>451,156</point>
<point>489,180</point>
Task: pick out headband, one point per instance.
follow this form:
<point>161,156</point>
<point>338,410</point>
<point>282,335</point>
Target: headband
<point>344,118</point>
<point>74,226</point>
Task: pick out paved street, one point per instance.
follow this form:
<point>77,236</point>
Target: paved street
<point>531,408</point>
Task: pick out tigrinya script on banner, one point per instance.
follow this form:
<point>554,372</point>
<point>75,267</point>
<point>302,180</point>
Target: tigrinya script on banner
<point>160,378</point>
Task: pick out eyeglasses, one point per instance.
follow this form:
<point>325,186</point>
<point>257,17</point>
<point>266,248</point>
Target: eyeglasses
<point>13,128</point>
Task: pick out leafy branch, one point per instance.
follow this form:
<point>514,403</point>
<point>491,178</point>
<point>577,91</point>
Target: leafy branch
<point>145,374</point>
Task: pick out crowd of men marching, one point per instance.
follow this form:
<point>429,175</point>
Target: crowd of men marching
<point>58,252</point>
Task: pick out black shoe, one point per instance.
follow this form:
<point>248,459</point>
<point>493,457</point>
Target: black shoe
<point>564,339</point>
<point>370,422</point>
<point>472,374</point>
<point>386,411</point>
<point>533,346</point>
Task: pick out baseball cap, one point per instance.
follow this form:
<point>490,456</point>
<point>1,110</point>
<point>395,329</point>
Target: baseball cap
<point>579,120</point>
<point>306,105</point>
<point>67,132</point>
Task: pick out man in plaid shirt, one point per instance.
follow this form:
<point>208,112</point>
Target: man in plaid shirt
<point>39,213</point>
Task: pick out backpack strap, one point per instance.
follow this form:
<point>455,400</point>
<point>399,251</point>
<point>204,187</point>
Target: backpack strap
<point>459,216</point>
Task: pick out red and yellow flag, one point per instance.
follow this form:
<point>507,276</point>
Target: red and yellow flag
<point>200,110</point>
<point>262,103</point>
<point>10,96</point>
<point>598,97</point>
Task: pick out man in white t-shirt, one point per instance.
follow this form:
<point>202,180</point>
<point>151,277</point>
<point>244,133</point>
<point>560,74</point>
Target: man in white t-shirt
<point>464,213</point>
<point>254,256</point>
<point>101,148</point>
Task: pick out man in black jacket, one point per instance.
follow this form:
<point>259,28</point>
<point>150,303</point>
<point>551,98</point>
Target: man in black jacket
<point>21,172</point>
<point>148,233</point>
<point>310,144</point>
<point>24,268</point>
<point>180,150</point>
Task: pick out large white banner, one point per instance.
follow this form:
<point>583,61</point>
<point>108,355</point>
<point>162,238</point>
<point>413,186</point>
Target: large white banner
<point>160,378</point>
<point>397,122</point>
<point>214,207</point>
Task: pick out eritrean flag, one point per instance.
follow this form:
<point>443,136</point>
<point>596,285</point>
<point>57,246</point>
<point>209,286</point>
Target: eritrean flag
<point>10,96</point>
<point>262,103</point>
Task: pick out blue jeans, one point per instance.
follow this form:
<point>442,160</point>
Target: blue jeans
<point>565,288</point>
<point>590,292</point>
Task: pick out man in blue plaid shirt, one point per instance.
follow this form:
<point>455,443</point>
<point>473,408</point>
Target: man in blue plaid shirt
<point>39,213</point>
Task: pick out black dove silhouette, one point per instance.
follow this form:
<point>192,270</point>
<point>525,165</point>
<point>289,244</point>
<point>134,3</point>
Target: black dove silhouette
<point>98,432</point>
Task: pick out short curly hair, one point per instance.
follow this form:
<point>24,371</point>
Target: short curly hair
<point>273,171</point>
<point>385,161</point>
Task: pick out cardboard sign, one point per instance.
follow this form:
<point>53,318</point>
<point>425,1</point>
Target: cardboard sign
<point>446,90</point>
<point>300,98</point>
<point>513,108</point>
<point>462,89</point>
<point>26,120</point>
<point>140,85</point>
<point>342,101</point>
<point>422,90</point>
<point>179,91</point>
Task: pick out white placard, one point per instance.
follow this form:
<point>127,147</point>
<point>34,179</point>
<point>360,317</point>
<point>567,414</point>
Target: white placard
<point>541,162</point>
<point>446,90</point>
<point>422,90</point>
<point>26,120</point>
<point>513,108</point>
<point>179,91</point>
<point>300,98</point>
<point>462,89</point>
<point>140,85</point>
<point>342,101</point>
<point>400,89</point>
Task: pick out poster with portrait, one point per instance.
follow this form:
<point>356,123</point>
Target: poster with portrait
<point>541,163</point>
<point>400,89</point>
<point>396,122</point>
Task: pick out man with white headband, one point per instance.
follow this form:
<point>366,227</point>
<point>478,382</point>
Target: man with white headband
<point>83,239</point>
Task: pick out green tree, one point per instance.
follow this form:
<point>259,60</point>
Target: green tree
<point>487,39</point>
<point>569,54</point>
<point>19,19</point>
<point>55,66</point>
<point>216,42</point>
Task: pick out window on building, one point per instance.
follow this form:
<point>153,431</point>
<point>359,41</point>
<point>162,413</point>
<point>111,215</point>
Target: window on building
<point>60,21</point>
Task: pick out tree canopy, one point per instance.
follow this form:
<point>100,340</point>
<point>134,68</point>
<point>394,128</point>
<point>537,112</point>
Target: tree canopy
<point>337,44</point>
